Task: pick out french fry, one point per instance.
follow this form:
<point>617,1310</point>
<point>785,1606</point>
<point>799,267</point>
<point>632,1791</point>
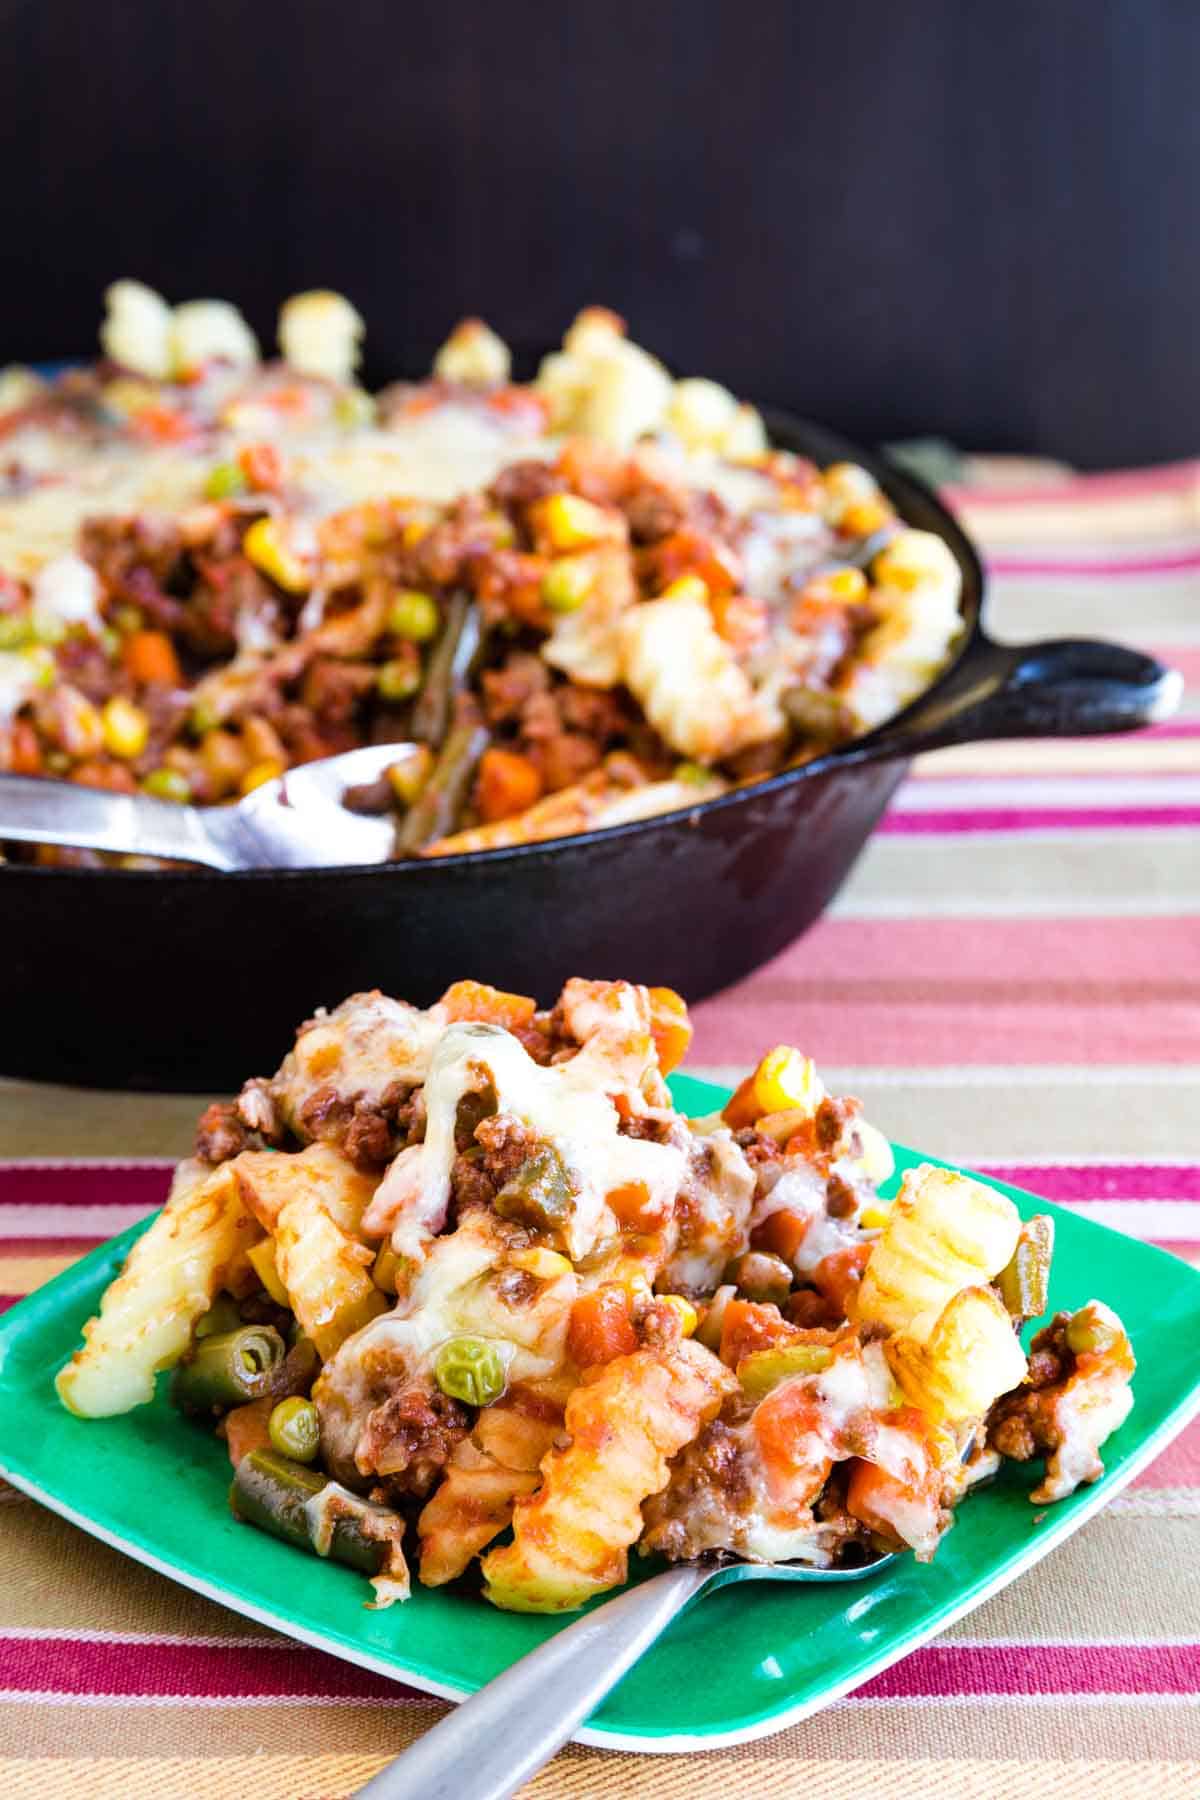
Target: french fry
<point>943,1233</point>
<point>970,1358</point>
<point>497,1465</point>
<point>571,1538</point>
<point>170,1278</point>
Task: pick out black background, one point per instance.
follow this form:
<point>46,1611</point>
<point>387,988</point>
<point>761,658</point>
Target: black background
<point>941,216</point>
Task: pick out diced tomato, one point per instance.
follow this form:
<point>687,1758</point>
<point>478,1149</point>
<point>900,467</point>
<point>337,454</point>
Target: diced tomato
<point>150,656</point>
<point>485,1005</point>
<point>508,783</point>
<point>162,424</point>
<point>26,753</point>
<point>247,1429</point>
<point>782,1232</point>
<point>262,466</point>
<point>839,1274</point>
<point>753,1325</point>
<point>601,1327</point>
<point>670,1026</point>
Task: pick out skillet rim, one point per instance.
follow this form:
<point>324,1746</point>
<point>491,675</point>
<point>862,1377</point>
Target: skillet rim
<point>787,431</point>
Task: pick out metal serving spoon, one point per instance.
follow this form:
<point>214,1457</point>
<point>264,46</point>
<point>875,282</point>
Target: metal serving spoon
<point>529,1712</point>
<point>294,822</point>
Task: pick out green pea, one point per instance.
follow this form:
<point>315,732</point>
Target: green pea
<point>295,1429</point>
<point>415,616</point>
<point>168,784</point>
<point>566,585</point>
<point>695,774</point>
<point>203,718</point>
<point>470,1369</point>
<point>225,480</point>
<point>354,407</point>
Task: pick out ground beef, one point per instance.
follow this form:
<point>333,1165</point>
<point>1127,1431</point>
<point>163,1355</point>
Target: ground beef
<point>368,1143</point>
<point>524,482</point>
<point>652,513</point>
<point>506,1144</point>
<point>841,1202</point>
<point>711,1487</point>
<point>221,1133</point>
<point>410,1436</point>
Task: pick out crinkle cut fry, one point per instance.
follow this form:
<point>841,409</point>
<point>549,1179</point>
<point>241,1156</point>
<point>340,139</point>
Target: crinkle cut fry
<point>313,1203</point>
<point>497,1465</point>
<point>170,1278</point>
<point>570,1540</point>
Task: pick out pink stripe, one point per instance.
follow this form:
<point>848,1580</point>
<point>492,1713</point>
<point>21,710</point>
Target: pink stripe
<point>187,1671</point>
<point>906,992</point>
<point>83,1186</point>
<point>1170,563</point>
<point>1021,818</point>
<point>1100,1181</point>
<point>1168,478</point>
<point>941,1669</point>
<point>1179,1464</point>
<point>48,1246</point>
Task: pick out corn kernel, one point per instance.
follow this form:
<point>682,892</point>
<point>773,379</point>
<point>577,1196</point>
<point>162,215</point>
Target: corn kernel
<point>570,522</point>
<point>262,1259</point>
<point>266,547</point>
<point>224,480</point>
<point>409,773</point>
<point>875,1217</point>
<point>687,587</point>
<point>785,1079</point>
<point>566,585</point>
<point>125,727</point>
<point>547,1265</point>
<point>688,1316</point>
<point>413,532</point>
<point>268,769</point>
<point>846,584</point>
<point>864,518</point>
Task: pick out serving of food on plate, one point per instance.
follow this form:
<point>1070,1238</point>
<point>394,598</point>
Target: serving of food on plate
<point>464,1270</point>
<point>574,602</point>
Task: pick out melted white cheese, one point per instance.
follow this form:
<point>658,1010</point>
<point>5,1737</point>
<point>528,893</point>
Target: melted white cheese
<point>562,1105</point>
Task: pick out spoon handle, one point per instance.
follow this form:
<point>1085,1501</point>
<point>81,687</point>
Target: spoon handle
<point>34,810</point>
<point>492,1743</point>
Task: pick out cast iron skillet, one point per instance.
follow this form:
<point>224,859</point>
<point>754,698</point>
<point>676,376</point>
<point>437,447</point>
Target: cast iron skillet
<point>195,980</point>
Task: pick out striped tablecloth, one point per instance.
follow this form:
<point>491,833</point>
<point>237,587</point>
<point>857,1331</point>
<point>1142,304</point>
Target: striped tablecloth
<point>1012,980</point>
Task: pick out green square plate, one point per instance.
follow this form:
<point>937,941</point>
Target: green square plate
<point>745,1662</point>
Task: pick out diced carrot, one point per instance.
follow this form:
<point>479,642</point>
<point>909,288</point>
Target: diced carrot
<point>878,1498</point>
<point>600,1327</point>
<point>508,783</point>
<point>247,1429</point>
<point>782,1233</point>
<point>485,1005</point>
<point>838,1275</point>
<point>787,1425</point>
<point>99,773</point>
<point>635,1209</point>
<point>670,1026</point>
<point>749,1325</point>
<point>150,656</point>
<point>26,752</point>
<point>742,1108</point>
<point>162,424</point>
<point>742,621</point>
<point>262,466</point>
<point>688,552</point>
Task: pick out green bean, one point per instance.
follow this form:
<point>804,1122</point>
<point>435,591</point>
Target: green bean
<point>295,1429</point>
<point>1090,1333</point>
<point>763,1370</point>
<point>222,1315</point>
<point>274,1492</point>
<point>228,1368</point>
<point>449,668</point>
<point>1025,1283</point>
<point>436,810</point>
<point>539,1194</point>
<point>470,1369</point>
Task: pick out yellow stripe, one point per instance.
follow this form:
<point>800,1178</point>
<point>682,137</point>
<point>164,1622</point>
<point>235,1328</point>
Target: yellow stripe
<point>21,1274</point>
<point>1067,756</point>
<point>583,1775</point>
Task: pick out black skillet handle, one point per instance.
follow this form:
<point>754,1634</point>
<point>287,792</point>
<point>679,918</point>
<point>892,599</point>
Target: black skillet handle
<point>1066,687</point>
